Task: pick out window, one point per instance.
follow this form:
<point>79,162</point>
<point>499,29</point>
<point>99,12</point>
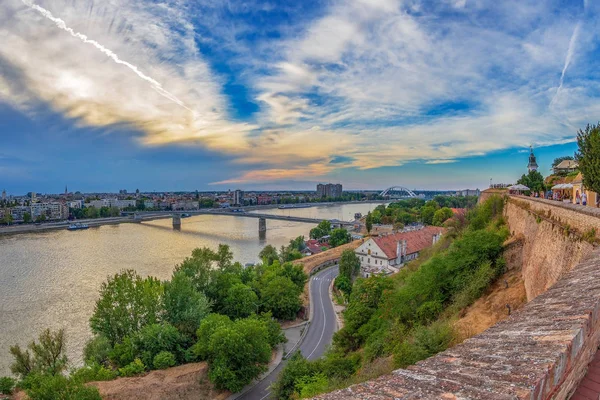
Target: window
<point>369,260</point>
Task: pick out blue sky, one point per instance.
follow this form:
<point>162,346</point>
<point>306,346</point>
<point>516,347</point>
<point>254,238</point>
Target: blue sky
<point>216,95</point>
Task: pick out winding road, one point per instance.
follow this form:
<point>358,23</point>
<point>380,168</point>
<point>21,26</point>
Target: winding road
<point>319,335</point>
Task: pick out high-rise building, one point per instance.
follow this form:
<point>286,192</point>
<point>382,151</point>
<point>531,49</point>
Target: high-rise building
<point>532,166</point>
<point>329,190</point>
<point>238,197</point>
<point>4,194</point>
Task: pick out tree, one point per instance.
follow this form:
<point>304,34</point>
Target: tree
<point>369,222</point>
<point>268,255</point>
<point>558,160</point>
<point>323,229</point>
<point>50,387</point>
<point>533,180</point>
<point>349,265</point>
<point>238,353</point>
<point>281,296</point>
<point>27,218</point>
<point>339,237</point>
<point>198,267</point>
<point>184,306</point>
<point>241,301</point>
<point>588,156</point>
<point>47,357</point>
<point>297,368</point>
<point>7,219</point>
<point>441,215</point>
<point>127,303</point>
<point>153,339</point>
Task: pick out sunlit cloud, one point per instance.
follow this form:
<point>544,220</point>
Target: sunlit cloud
<point>359,85</point>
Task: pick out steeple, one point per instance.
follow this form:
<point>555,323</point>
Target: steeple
<point>532,166</point>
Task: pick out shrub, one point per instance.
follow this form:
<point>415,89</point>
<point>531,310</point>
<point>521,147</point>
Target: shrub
<point>310,386</point>
<point>163,360</point>
<point>156,338</point>
<point>93,372</point>
<point>51,387</point>
<point>47,356</point>
<point>137,367</point>
<point>7,384</point>
<point>97,350</point>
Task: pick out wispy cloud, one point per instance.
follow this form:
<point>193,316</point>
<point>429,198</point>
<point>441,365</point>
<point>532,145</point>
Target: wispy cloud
<point>353,85</point>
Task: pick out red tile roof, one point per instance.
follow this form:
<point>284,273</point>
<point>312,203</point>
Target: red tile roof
<point>415,240</point>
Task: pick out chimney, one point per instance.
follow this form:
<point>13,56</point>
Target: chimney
<point>399,252</point>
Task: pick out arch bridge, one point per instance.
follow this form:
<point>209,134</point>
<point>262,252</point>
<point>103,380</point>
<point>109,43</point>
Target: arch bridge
<point>398,192</point>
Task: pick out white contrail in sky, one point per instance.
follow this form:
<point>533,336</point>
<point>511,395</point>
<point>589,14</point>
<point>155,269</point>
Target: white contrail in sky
<point>62,25</point>
<point>568,59</point>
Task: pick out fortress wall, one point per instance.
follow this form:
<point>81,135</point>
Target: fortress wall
<point>553,243</point>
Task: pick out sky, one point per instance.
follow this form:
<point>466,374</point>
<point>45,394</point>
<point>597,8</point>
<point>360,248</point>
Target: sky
<point>221,94</point>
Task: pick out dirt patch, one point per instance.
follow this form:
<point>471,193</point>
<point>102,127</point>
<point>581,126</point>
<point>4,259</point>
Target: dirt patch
<point>491,307</point>
<point>189,381</point>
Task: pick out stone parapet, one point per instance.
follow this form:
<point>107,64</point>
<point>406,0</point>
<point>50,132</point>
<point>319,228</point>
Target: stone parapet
<point>540,352</point>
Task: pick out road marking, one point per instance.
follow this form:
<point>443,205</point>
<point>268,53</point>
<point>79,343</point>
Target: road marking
<point>324,322</point>
<point>266,395</point>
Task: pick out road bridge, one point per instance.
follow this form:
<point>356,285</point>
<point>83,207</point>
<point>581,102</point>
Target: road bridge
<point>262,217</point>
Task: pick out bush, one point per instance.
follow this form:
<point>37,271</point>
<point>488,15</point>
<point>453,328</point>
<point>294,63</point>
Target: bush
<point>97,350</point>
<point>93,372</point>
<point>163,360</point>
<point>310,386</point>
<point>137,367</point>
<point>47,356</point>
<point>53,387</point>
<point>156,338</point>
<point>7,384</point>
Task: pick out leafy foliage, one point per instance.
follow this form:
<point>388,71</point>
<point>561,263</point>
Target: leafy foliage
<point>136,367</point>
<point>533,180</point>
<point>339,237</point>
<point>184,306</point>
<point>97,350</point>
<point>588,156</point>
<point>127,303</point>
<point>47,357</point>
<point>93,372</point>
<point>281,296</point>
<point>7,384</point>
<point>163,360</point>
<point>323,229</point>
<point>50,387</point>
<point>241,301</point>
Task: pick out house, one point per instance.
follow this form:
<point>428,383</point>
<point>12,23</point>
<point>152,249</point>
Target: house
<point>388,253</point>
<point>565,167</point>
<point>315,246</point>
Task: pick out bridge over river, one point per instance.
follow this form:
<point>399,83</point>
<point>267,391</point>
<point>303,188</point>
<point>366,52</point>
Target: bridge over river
<point>262,218</point>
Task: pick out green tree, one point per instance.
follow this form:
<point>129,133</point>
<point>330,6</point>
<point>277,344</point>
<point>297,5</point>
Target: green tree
<point>369,222</point>
<point>7,219</point>
<point>298,367</point>
<point>47,357</point>
<point>282,297</point>
<point>441,215</point>
<point>127,303</point>
<point>97,350</point>
<point>198,267</point>
<point>241,301</point>
<point>533,180</point>
<point>349,265</point>
<point>238,353</point>
<point>588,156</point>
<point>153,339</point>
<point>184,306</point>
<point>339,237</point>
<point>209,326</point>
<point>268,255</point>
<point>27,218</point>
<point>323,229</point>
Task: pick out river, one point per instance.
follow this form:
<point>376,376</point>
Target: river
<point>51,279</point>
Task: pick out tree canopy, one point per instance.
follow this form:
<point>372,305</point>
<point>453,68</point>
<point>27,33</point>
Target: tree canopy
<point>588,156</point>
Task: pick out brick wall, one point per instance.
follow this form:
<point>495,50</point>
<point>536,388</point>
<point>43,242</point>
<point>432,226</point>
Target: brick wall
<point>540,352</point>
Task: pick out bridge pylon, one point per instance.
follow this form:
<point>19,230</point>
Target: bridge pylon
<point>262,225</point>
<point>177,221</point>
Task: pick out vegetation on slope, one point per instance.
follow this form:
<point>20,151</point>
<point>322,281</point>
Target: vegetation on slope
<point>406,316</point>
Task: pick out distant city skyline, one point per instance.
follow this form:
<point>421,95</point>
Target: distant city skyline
<point>215,95</point>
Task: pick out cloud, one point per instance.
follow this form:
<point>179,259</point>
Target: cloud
<point>355,85</point>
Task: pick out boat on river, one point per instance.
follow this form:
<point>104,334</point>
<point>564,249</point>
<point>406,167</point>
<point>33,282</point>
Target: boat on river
<point>77,227</point>
<point>286,206</point>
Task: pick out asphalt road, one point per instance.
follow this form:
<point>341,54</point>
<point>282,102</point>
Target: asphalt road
<point>319,335</point>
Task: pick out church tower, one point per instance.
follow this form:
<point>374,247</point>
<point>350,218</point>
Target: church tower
<point>532,166</point>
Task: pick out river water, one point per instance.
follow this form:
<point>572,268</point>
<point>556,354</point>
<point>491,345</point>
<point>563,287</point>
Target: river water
<point>51,280</point>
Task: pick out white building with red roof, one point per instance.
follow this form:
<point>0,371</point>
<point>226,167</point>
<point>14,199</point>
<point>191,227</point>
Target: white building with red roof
<point>388,253</point>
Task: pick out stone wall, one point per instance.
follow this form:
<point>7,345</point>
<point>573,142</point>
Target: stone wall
<point>553,239</point>
<point>540,352</point>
